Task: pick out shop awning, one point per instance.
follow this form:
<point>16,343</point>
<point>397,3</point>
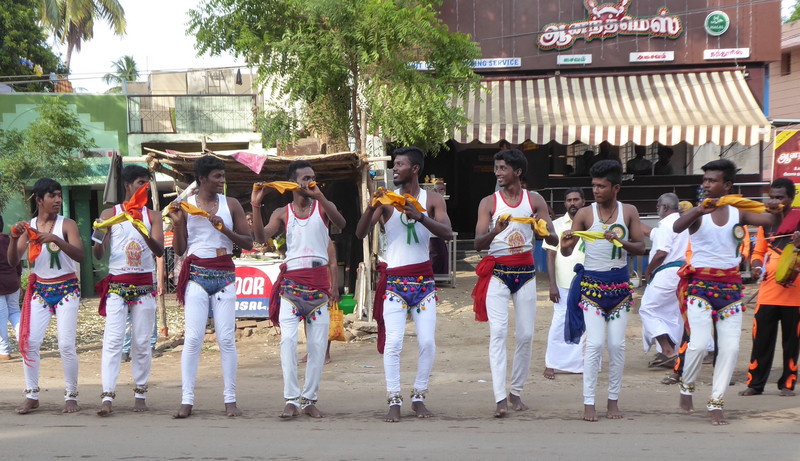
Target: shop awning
<point>696,107</point>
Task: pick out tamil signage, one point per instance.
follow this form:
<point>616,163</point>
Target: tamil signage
<point>787,158</point>
<point>726,53</point>
<point>717,23</point>
<point>653,56</point>
<point>574,59</point>
<point>609,20</point>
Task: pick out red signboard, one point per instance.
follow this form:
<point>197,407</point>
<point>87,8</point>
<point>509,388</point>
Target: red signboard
<point>253,287</point>
<point>787,156</point>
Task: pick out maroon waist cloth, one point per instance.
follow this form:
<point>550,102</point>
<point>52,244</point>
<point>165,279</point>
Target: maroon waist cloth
<point>315,278</point>
<point>135,279</point>
<point>484,271</point>
<point>423,269</point>
<point>220,263</point>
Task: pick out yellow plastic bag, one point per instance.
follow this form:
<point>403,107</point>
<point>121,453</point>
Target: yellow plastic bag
<point>336,329</point>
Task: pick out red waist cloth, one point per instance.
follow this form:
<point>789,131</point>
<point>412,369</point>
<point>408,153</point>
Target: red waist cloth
<point>484,272</point>
<point>219,263</point>
<point>687,273</point>
<point>135,279</point>
<point>316,278</point>
<point>25,314</point>
<point>424,269</point>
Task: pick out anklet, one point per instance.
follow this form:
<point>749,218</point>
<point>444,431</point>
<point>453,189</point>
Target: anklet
<point>418,395</point>
<point>113,395</point>
<point>71,394</point>
<point>394,399</point>
<point>715,404</point>
<point>140,389</point>
<point>35,390</point>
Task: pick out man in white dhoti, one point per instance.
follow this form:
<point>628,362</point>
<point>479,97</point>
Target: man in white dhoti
<point>561,355</point>
<point>662,323</point>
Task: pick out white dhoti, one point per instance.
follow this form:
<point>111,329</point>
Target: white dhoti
<point>561,355</point>
<point>316,344</point>
<point>659,309</point>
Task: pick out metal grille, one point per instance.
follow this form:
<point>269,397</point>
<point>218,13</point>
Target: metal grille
<point>191,114</point>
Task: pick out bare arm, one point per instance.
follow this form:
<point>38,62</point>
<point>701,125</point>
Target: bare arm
<point>580,223</point>
<point>330,209</point>
<point>273,227</point>
<point>635,242</point>
<point>333,271</point>
<point>156,239</point>
<point>180,235</point>
<point>540,209</point>
<point>240,234</point>
<point>691,218</point>
<point>17,245</point>
<point>370,217</point>
<point>71,244</point>
<point>484,236</point>
<point>551,276</point>
<point>655,262</point>
<point>772,218</point>
<point>437,220</point>
<point>99,250</point>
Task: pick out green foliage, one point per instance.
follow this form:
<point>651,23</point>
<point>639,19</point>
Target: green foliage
<point>325,57</point>
<point>124,71</point>
<point>48,147</point>
<point>795,13</point>
<point>21,36</point>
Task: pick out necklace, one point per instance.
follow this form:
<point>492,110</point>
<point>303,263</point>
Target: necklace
<point>604,221</point>
<point>213,207</point>
<point>52,226</point>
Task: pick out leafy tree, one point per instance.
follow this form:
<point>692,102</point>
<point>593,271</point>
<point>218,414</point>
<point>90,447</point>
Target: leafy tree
<point>795,13</point>
<point>48,147</point>
<point>335,62</point>
<point>20,36</point>
<point>72,21</point>
<point>124,71</point>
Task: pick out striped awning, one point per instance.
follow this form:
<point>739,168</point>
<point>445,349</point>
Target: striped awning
<point>697,107</point>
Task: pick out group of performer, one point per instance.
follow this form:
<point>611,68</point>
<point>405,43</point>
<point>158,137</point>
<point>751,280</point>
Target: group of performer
<point>686,307</point>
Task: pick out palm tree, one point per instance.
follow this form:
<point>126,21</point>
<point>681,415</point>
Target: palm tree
<point>124,71</point>
<point>72,21</point>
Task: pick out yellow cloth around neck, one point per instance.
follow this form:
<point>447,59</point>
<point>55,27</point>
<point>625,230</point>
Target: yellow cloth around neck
<point>120,218</point>
<point>281,186</point>
<point>396,200</point>
<point>591,236</point>
<point>539,224</point>
<point>194,211</point>
<point>737,201</point>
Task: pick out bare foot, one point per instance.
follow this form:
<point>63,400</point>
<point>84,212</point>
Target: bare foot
<point>549,373</point>
<point>502,408</point>
<point>613,410</point>
<point>105,408</point>
<point>750,391</point>
<point>787,392</point>
<point>394,414</point>
<point>304,359</point>
<point>686,404</point>
<point>139,405</point>
<point>312,411</point>
<point>327,358</point>
<point>231,410</point>
<point>420,410</point>
<point>589,413</point>
<point>71,406</point>
<point>516,403</point>
<point>184,412</point>
<point>289,411</point>
<point>716,418</point>
<point>27,406</point>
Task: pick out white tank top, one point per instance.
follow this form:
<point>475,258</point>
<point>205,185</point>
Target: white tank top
<point>517,238</point>
<point>129,252</point>
<point>399,252</point>
<point>46,265</point>
<point>204,239</point>
<point>715,246</point>
<point>599,252</point>
<point>306,239</point>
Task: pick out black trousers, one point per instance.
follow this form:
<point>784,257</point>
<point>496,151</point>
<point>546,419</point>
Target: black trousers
<point>765,335</point>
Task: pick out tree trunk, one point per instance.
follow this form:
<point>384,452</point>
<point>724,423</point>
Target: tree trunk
<point>356,114</point>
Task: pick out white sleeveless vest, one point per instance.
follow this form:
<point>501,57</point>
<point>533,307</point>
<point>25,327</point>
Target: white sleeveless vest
<point>52,261</point>
<point>401,247</point>
<point>517,238</point>
<point>715,246</point>
<point>129,252</point>
<point>204,240</point>
<point>599,252</point>
<point>306,239</point>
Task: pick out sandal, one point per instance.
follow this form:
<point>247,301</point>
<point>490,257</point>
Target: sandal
<point>662,360</point>
<point>671,378</point>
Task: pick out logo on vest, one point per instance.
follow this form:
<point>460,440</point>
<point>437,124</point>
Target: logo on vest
<point>133,254</point>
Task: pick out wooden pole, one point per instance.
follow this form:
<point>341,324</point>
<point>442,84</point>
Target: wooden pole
<point>160,262</point>
<point>367,273</point>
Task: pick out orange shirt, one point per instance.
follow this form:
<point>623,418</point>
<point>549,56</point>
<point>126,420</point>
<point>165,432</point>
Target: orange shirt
<point>771,293</point>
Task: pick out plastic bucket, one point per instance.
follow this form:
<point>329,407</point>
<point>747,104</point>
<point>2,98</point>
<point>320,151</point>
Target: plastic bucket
<point>347,304</point>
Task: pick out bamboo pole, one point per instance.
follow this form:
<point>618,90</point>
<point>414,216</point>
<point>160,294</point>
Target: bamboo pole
<point>160,262</point>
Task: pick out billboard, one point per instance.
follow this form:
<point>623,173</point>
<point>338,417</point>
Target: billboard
<point>787,159</point>
<point>254,281</point>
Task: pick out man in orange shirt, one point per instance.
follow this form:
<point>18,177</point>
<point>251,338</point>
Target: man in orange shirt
<point>776,302</point>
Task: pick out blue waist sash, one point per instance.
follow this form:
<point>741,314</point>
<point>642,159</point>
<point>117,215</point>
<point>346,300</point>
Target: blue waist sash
<point>574,324</point>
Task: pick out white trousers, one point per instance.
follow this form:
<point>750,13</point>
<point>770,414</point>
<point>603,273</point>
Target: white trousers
<point>316,344</point>
<point>195,314</point>
<point>728,333</point>
<point>560,354</point>
<point>394,317</point>
<point>9,313</point>
<point>67,324</point>
<point>142,320</point>
<point>596,331</point>
<point>659,310</point>
<point>497,297</point>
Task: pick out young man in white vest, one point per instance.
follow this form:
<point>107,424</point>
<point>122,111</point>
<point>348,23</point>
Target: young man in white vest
<point>129,287</point>
<point>302,291</point>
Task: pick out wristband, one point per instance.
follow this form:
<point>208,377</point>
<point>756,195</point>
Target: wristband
<point>254,205</point>
<point>421,218</point>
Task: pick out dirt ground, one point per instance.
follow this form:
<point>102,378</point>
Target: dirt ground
<point>353,397</point>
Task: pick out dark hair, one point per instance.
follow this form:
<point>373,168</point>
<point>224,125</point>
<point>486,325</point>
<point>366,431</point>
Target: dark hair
<point>513,157</point>
<point>45,186</point>
<point>665,150</point>
<point>572,190</point>
<point>133,172</point>
<point>607,169</point>
<point>786,184</point>
<point>504,145</point>
<point>205,165</point>
<point>727,168</point>
<point>2,224</point>
<point>413,154</point>
<point>291,170</point>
